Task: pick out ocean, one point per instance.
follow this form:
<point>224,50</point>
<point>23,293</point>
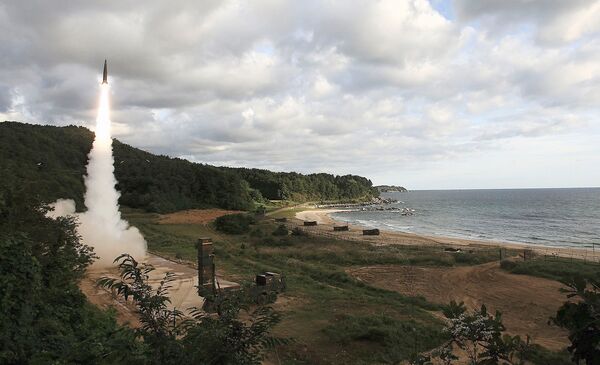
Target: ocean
<point>549,217</point>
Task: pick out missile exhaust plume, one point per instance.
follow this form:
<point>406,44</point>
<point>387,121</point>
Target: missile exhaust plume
<point>101,226</point>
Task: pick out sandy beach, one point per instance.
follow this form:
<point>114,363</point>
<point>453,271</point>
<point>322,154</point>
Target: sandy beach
<point>321,216</point>
<point>386,237</point>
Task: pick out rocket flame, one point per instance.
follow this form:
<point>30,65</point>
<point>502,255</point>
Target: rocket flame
<point>103,118</point>
<point>101,226</point>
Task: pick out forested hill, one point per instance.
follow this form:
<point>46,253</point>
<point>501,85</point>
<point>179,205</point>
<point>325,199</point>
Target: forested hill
<point>311,187</point>
<point>50,161</point>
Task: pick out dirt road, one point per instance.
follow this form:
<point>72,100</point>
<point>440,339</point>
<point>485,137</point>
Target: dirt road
<point>183,292</point>
<point>526,302</point>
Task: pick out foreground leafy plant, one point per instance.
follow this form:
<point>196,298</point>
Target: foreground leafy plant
<point>582,318</point>
<point>173,338</point>
<point>45,317</point>
<point>480,336</point>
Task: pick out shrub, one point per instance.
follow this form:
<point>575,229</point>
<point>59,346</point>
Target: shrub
<point>285,241</point>
<point>508,265</point>
<point>234,223</point>
<point>281,230</point>
<point>560,269</point>
<point>481,336</point>
<point>179,255</point>
<point>400,339</point>
<point>257,232</point>
<point>201,338</point>
<point>581,317</point>
<point>269,241</point>
<point>297,231</point>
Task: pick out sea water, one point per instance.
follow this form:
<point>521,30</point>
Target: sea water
<point>549,217</point>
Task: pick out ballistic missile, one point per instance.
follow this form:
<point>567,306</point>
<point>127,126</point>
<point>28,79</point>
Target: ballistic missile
<point>105,74</point>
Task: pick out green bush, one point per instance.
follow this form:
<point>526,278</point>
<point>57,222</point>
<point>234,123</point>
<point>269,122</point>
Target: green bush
<point>476,257</point>
<point>281,230</point>
<point>580,316</point>
<point>542,356</point>
<point>199,339</point>
<point>285,241</point>
<point>257,232</point>
<point>400,339</point>
<point>45,317</point>
<point>269,241</point>
<point>297,231</point>
<point>234,223</point>
<point>555,269</point>
<point>508,265</point>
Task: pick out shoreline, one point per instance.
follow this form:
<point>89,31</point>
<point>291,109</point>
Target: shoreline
<point>387,236</point>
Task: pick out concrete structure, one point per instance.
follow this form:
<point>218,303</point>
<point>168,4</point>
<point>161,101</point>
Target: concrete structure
<point>206,266</point>
<point>371,232</point>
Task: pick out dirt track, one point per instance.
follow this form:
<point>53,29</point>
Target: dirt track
<point>526,302</point>
<point>183,292</point>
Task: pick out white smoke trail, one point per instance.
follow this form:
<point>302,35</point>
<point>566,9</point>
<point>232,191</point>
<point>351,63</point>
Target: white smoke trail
<point>101,226</point>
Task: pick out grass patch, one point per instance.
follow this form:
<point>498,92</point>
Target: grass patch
<point>319,287</point>
<point>542,356</point>
<point>552,269</point>
<point>397,339</point>
<point>281,230</point>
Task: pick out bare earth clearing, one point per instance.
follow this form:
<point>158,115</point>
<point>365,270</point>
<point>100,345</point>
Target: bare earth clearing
<point>183,292</point>
<point>194,216</point>
<point>526,302</point>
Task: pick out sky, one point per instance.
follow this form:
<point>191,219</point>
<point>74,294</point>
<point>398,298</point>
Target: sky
<point>432,94</point>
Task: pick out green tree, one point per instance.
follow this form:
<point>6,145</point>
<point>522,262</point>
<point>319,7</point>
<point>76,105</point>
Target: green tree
<point>51,161</point>
<point>480,335</point>
<point>281,230</point>
<point>581,317</point>
<point>45,317</point>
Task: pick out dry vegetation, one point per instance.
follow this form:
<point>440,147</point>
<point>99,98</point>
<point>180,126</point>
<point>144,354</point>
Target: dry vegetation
<point>194,216</point>
<point>525,301</point>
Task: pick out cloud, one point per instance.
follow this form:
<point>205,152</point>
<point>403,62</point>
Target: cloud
<point>554,22</point>
<point>385,89</point>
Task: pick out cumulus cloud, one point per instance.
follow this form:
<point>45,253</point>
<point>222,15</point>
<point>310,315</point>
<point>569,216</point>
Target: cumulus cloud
<point>554,21</point>
<point>387,89</point>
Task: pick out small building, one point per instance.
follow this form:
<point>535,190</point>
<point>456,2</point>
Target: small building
<point>310,223</point>
<point>341,228</point>
<point>371,232</point>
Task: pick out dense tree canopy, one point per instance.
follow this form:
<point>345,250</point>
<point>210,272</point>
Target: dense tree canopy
<point>47,320</point>
<point>298,187</point>
<point>45,317</point>
<point>52,160</point>
<point>581,317</point>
